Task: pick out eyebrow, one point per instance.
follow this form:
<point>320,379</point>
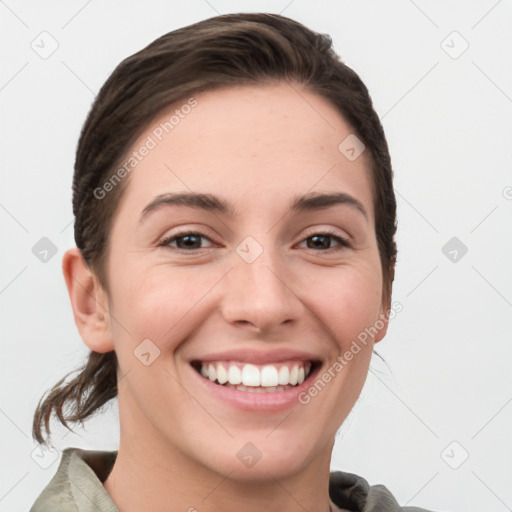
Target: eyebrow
<point>211,203</point>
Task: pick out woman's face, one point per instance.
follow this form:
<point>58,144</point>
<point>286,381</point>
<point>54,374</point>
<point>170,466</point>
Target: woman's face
<point>256,283</point>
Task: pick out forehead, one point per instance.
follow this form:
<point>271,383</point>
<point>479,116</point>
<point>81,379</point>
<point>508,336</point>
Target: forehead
<point>251,143</point>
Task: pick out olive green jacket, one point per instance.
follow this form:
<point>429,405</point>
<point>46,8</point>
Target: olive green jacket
<point>77,487</point>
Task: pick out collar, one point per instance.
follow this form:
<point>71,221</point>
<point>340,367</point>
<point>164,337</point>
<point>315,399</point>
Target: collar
<point>78,486</point>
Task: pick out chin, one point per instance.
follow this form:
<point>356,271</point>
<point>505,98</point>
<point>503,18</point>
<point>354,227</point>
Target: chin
<point>262,459</point>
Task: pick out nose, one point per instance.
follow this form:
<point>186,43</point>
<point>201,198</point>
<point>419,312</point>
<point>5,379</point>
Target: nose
<point>262,295</point>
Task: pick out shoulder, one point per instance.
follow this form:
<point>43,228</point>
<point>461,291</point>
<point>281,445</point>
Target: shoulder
<point>353,492</point>
<point>57,493</point>
<point>76,485</point>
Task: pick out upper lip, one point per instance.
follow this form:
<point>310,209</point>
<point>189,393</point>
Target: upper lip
<point>258,356</point>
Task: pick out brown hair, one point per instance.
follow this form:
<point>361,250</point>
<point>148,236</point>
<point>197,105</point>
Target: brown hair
<point>223,51</point>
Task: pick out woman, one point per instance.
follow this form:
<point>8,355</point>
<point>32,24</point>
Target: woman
<point>234,222</point>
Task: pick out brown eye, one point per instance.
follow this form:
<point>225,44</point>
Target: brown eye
<point>186,241</point>
<point>323,242</point>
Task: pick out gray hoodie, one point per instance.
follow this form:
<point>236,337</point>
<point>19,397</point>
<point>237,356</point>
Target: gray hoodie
<point>77,487</point>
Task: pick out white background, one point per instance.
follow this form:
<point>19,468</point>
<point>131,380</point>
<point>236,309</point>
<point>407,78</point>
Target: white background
<point>448,124</point>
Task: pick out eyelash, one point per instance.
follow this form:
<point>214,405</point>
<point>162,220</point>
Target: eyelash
<point>343,242</point>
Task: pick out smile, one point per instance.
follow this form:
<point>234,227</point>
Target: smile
<point>256,378</point>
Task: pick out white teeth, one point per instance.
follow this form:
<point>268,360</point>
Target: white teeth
<point>222,374</point>
<point>234,375</point>
<point>293,375</point>
<point>251,375</point>
<point>250,389</point>
<point>269,376</point>
<point>274,377</point>
<point>212,374</point>
<point>284,375</point>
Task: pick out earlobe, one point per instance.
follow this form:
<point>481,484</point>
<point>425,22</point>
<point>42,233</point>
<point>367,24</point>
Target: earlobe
<point>89,302</point>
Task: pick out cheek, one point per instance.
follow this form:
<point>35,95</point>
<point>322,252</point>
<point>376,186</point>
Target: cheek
<point>347,301</point>
<point>160,304</point>
<point>157,305</point>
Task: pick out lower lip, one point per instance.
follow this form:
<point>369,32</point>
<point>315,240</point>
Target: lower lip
<point>259,402</point>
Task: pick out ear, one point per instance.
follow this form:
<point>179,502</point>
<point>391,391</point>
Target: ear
<point>383,319</point>
<point>89,302</point>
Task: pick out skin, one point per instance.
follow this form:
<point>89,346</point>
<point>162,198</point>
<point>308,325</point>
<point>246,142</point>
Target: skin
<point>256,147</point>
